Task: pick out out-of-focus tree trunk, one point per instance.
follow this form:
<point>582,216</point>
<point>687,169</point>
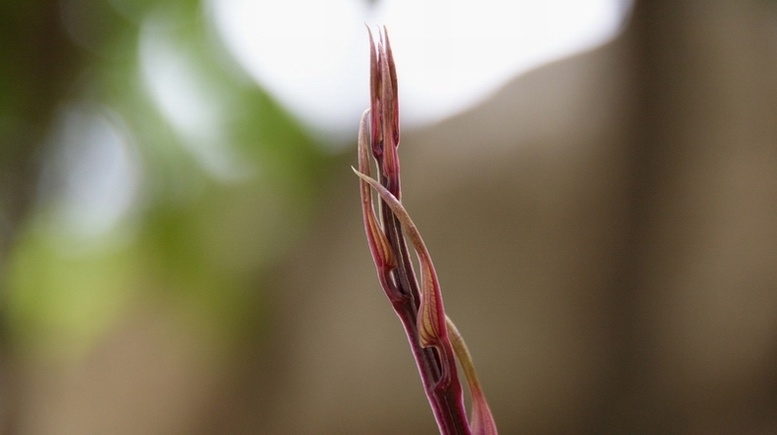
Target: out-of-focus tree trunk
<point>694,314</point>
<point>37,63</point>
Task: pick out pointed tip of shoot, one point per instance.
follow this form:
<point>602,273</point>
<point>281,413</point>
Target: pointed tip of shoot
<point>384,109</point>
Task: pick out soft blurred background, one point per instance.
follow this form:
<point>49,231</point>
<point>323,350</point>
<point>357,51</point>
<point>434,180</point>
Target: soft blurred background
<point>181,249</point>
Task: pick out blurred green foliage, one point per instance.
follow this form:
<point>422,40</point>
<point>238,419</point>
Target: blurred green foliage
<point>207,216</point>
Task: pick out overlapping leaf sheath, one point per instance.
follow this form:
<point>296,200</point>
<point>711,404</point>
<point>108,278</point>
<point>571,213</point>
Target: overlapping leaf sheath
<point>417,299</point>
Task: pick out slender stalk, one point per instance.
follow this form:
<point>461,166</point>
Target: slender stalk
<point>417,301</point>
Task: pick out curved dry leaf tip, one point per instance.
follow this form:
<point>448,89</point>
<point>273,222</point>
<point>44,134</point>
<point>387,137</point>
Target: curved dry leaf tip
<point>482,421</point>
<point>431,311</point>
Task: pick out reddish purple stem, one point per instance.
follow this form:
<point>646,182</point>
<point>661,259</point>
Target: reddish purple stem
<point>436,363</point>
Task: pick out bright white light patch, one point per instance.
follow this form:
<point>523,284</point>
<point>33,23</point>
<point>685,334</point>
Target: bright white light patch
<point>191,103</point>
<point>312,55</point>
<point>91,177</point>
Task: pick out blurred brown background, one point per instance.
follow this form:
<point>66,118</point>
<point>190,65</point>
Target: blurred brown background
<point>604,230</point>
